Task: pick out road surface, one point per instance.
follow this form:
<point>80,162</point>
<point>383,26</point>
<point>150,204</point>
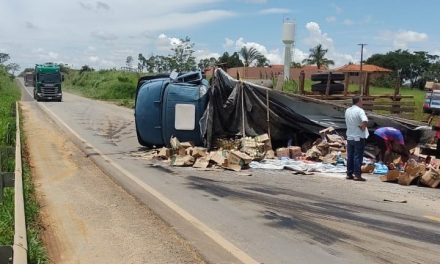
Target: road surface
<point>268,217</point>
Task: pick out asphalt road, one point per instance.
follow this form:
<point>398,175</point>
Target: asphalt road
<point>268,217</point>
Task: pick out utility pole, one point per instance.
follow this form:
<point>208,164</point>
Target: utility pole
<point>361,79</point>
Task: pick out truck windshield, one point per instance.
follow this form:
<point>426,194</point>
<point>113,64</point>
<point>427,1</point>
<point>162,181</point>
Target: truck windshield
<point>49,77</point>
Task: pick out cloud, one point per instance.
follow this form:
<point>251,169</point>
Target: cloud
<point>102,35</point>
<point>271,11</point>
<point>86,6</point>
<point>274,55</point>
<point>338,9</point>
<point>330,19</point>
<point>229,43</point>
<point>30,25</point>
<point>53,55</point>
<point>165,43</point>
<point>94,7</point>
<point>316,36</point>
<point>403,38</point>
<point>436,52</point>
<point>102,5</point>
<point>255,1</point>
<point>205,54</point>
<point>348,22</point>
<point>93,59</point>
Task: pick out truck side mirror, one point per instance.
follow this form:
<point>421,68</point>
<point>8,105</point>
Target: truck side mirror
<point>62,78</point>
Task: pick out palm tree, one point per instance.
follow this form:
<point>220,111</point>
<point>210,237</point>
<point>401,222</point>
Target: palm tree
<point>317,56</point>
<point>249,55</point>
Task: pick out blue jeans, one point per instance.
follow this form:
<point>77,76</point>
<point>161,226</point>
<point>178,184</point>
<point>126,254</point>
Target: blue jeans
<point>355,155</point>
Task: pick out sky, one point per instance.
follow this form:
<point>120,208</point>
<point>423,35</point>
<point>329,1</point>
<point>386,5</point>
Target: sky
<point>103,33</point>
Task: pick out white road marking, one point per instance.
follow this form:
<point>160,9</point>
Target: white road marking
<point>228,246</point>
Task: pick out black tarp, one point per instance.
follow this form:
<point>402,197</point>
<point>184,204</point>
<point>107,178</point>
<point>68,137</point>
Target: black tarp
<point>233,103</point>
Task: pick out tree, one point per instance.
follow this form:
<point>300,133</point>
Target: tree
<point>414,67</point>
<point>142,62</point>
<point>4,57</point>
<point>207,62</point>
<point>232,61</point>
<point>317,56</point>
<point>12,68</point>
<point>249,55</point>
<point>86,68</point>
<point>262,61</point>
<point>183,59</point>
<point>129,61</point>
<point>295,65</point>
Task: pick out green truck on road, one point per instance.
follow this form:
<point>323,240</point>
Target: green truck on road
<point>47,82</point>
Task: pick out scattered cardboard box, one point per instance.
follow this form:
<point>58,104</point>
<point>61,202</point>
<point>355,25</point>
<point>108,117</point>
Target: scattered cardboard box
<point>391,176</point>
<point>240,158</point>
<point>218,158</point>
<point>431,178</point>
<point>270,154</point>
<point>294,152</point>
<point>179,161</point>
<point>201,163</point>
<point>283,153</point>
<point>367,168</point>
<point>174,143</point>
<point>198,152</point>
<point>164,153</point>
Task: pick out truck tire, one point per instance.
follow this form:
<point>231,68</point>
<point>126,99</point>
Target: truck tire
<point>140,140</point>
<point>324,76</point>
<point>334,88</point>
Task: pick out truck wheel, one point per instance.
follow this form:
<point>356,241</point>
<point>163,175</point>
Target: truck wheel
<point>141,141</point>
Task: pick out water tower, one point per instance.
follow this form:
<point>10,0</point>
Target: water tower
<point>288,40</point>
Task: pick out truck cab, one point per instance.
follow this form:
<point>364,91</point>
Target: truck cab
<point>47,82</point>
<point>29,78</point>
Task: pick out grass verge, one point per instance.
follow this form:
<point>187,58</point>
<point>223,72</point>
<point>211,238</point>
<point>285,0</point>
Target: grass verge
<point>115,86</point>
<point>9,94</point>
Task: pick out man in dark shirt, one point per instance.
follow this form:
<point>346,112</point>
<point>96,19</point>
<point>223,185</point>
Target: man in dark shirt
<point>389,139</point>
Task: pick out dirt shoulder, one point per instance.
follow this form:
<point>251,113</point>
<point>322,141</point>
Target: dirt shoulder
<point>88,218</point>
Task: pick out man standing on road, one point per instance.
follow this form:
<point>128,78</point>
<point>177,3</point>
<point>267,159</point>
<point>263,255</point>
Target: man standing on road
<point>357,133</point>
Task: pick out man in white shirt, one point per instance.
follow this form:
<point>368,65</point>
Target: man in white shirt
<point>357,133</point>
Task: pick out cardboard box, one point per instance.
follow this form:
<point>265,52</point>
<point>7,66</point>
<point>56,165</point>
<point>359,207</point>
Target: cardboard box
<point>218,158</point>
<point>391,176</point>
<point>202,163</point>
<point>186,145</point>
<point>367,168</point>
<point>294,152</point>
<point>239,158</point>
<point>270,154</point>
<point>184,161</point>
<point>283,152</point>
<point>431,178</point>
<point>175,143</point>
<point>198,152</point>
<point>262,138</point>
<point>164,153</point>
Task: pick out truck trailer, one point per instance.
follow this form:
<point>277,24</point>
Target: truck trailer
<point>47,82</point>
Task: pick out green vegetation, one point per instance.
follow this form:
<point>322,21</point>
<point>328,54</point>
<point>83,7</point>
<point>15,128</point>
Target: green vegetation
<point>317,56</point>
<point>9,94</point>
<point>111,85</point>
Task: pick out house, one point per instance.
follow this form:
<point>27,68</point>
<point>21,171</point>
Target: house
<point>353,71</point>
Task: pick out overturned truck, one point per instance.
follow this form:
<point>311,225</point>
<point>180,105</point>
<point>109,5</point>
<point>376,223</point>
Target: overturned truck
<point>190,109</point>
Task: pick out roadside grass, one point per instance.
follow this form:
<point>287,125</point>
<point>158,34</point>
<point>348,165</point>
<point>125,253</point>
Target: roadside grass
<point>9,94</point>
<point>115,86</point>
